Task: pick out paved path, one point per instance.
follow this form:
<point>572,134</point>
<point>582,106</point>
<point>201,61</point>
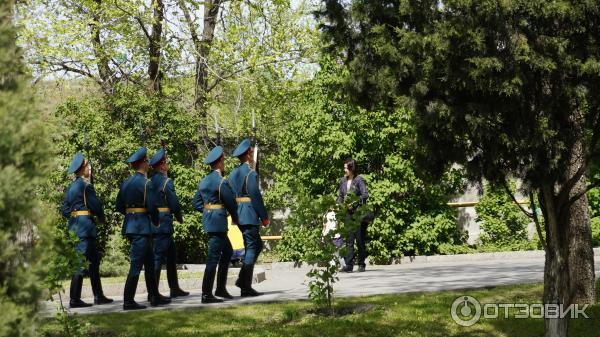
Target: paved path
<point>290,284</point>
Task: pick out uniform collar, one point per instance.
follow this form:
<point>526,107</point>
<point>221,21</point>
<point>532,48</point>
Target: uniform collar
<point>140,173</point>
<point>218,172</point>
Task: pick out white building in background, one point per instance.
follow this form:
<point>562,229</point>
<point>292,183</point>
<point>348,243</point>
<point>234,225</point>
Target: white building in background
<point>467,215</point>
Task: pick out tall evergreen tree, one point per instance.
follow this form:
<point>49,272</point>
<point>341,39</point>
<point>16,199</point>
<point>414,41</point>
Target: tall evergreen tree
<point>23,162</point>
<point>505,88</point>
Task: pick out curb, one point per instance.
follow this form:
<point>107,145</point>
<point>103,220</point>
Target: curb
<point>116,289</point>
<point>457,258</point>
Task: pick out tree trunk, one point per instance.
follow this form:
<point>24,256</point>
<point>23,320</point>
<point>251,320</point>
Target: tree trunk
<point>211,10</point>
<point>202,48</point>
<point>581,252</point>
<point>102,62</point>
<point>155,46</point>
<point>556,272</point>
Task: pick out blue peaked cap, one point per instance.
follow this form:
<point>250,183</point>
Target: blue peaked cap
<point>139,154</point>
<point>242,148</point>
<point>213,155</point>
<point>76,162</point>
<point>158,156</point>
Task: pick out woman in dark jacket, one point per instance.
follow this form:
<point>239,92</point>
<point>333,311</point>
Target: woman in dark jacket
<point>351,182</point>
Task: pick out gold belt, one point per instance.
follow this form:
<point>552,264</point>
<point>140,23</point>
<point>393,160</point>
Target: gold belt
<point>135,210</point>
<point>164,209</point>
<point>213,206</point>
<point>75,214</point>
<point>243,199</point>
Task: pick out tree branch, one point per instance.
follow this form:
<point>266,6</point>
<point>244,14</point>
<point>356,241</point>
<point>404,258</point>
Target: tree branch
<point>190,23</point>
<point>64,66</point>
<point>536,220</point>
<point>565,190</point>
<point>581,194</point>
<point>509,192</point>
<point>220,78</point>
<point>137,18</point>
<point>125,74</point>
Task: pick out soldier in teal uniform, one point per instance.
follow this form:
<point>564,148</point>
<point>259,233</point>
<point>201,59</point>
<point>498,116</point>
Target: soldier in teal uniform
<point>214,199</point>
<point>252,213</point>
<point>80,206</point>
<point>136,201</point>
<point>168,207</point>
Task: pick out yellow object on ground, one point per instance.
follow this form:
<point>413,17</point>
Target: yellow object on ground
<point>235,235</point>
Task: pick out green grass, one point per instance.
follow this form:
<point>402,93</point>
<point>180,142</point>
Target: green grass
<point>419,314</point>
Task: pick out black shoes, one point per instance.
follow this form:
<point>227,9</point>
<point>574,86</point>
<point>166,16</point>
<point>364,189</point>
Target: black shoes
<point>177,292</point>
<point>101,299</point>
<point>249,292</point>
<point>77,303</point>
<point>129,292</point>
<point>347,269</point>
<point>223,293</point>
<point>361,269</point>
<point>209,298</point>
<point>158,299</point>
<point>132,305</point>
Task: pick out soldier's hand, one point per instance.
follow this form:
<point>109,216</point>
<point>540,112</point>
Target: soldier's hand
<point>102,220</point>
<point>236,221</point>
<point>180,220</point>
<point>265,222</point>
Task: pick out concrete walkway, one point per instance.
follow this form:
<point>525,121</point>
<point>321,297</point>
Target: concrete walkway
<point>291,284</point>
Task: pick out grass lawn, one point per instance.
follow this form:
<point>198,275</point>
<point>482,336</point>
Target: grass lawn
<point>419,314</point>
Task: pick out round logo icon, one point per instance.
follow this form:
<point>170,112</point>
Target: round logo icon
<point>466,310</point>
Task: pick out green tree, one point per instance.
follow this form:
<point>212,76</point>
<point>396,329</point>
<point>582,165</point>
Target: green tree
<point>116,126</point>
<point>505,88</point>
<point>319,129</point>
<point>503,224</point>
<point>24,164</point>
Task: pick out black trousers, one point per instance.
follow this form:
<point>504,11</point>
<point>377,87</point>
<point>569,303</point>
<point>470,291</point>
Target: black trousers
<point>219,254</point>
<point>360,236</point>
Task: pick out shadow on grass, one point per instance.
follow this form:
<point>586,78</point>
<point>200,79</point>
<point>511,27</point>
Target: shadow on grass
<point>417,314</point>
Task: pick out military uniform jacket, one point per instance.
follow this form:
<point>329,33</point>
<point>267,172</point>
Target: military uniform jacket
<point>80,196</point>
<point>214,189</point>
<point>244,182</point>
<point>137,192</point>
<point>165,198</point>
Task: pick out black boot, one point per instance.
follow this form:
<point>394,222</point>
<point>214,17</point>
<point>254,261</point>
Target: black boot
<point>221,290</point>
<point>129,293</point>
<point>209,298</point>
<point>241,277</point>
<point>247,290</point>
<point>207,285</point>
<point>154,297</point>
<point>157,273</point>
<point>99,297</point>
<point>75,293</point>
<point>173,282</point>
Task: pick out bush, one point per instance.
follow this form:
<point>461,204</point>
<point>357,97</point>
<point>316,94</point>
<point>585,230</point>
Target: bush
<point>301,235</point>
<point>411,216</point>
<point>25,158</point>
<point>113,127</point>
<point>502,223</point>
<point>115,261</point>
